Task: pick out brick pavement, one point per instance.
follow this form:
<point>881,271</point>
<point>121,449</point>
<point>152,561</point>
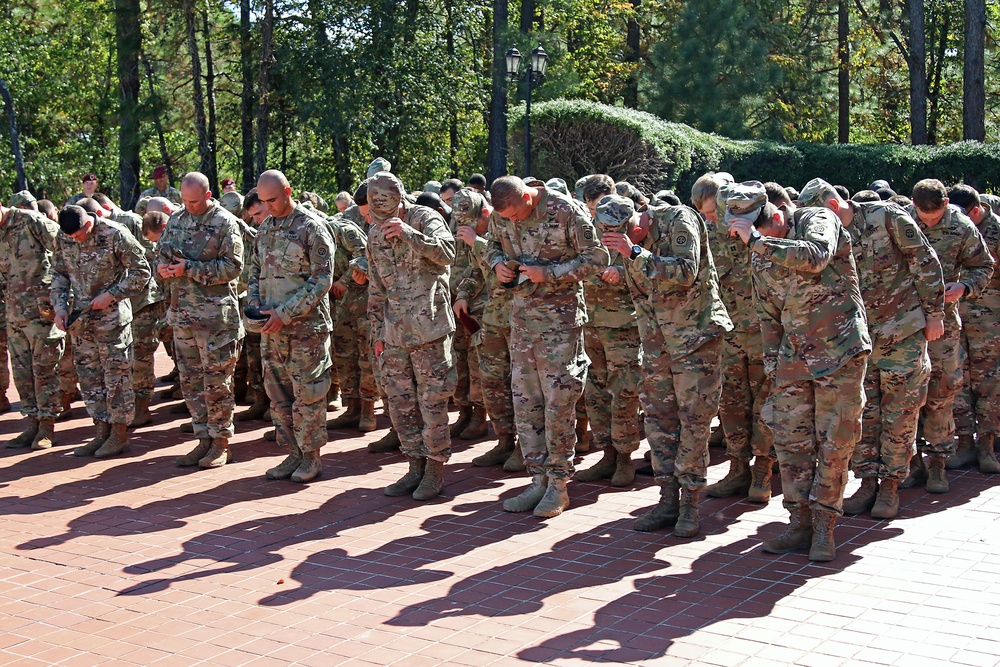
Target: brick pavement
<point>131,561</point>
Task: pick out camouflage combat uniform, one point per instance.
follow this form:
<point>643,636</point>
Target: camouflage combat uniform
<point>109,260</point>
<point>171,193</point>
<point>549,364</point>
<point>352,333</point>
<point>468,390</point>
<point>291,271</point>
<point>204,313</point>
<point>4,359</point>
<point>249,366</point>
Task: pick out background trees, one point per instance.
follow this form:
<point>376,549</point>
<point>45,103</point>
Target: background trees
<point>318,88</point>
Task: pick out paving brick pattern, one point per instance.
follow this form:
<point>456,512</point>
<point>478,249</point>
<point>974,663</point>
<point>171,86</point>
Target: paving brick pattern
<point>132,561</point>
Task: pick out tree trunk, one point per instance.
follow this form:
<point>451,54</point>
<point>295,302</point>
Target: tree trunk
<point>918,74</point>
<point>213,158</point>
<point>200,123</point>
<point>452,104</point>
<point>496,152</point>
<point>246,98</point>
<point>632,46</point>
<point>263,83</point>
<point>128,37</point>
<point>843,74</point>
<point>20,180</point>
<point>934,89</point>
<point>527,16</point>
<point>161,139</point>
<point>974,77</point>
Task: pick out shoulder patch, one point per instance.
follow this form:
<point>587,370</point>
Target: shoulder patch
<point>681,239</point>
<point>352,235</point>
<point>588,234</point>
<point>322,250</point>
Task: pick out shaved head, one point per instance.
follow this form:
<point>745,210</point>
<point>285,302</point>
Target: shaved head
<point>195,193</point>
<point>273,176</point>
<point>160,205</point>
<point>275,193</point>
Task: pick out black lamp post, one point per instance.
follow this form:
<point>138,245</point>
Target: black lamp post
<point>532,76</point>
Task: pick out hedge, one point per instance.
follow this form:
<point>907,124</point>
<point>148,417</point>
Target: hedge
<point>573,138</point>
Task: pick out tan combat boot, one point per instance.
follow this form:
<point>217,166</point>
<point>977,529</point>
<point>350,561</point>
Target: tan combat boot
<point>350,417</point>
<point>555,500</point>
<point>46,436</point>
<point>409,482</point>
<point>285,469</point>
<point>516,461</point>
<point>367,422</point>
<point>665,512</point>
<point>499,454</point>
<point>798,534</point>
<point>464,418</point>
<point>937,478</point>
<point>387,443</point>
<point>270,435</point>
<point>116,443</point>
<point>624,470</point>
<point>103,433</point>
<point>988,463</point>
<point>887,503</point>
<point>737,480</point>
<point>718,437</point>
<point>918,472</point>
<point>529,498</point>
<point>4,403</point>
<point>195,455</point>
<point>687,518</point>
<point>218,455</point>
<point>66,406</point>
<point>604,468</point>
<point>257,410</point>
<point>864,498</point>
<point>309,468</point>
<point>582,436</point>
<point>760,480</point>
<point>431,482</point>
<point>823,548</point>
<point>965,454</point>
<point>26,437</point>
<point>477,424</point>
<point>142,414</point>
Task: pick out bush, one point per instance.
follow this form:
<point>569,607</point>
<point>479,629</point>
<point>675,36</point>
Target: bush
<point>574,138</point>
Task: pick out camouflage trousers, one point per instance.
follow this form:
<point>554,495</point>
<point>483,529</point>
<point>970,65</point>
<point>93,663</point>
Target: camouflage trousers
<point>4,360</point>
<point>744,391</point>
<point>816,424</point>
<point>612,393</point>
<point>895,390</point>
<point>206,361</point>
<point>548,374</point>
<point>353,350</point>
<point>66,369</point>
<point>492,351</point>
<point>249,366</point>
<point>418,381</point>
<point>977,405</point>
<point>468,388</point>
<point>104,365</point>
<point>680,396</point>
<point>146,325</point>
<point>36,348</point>
<point>296,379</point>
<point>937,417</point>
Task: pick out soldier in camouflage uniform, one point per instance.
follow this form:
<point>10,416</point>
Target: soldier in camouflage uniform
<point>903,291</point>
<point>201,257</point>
<point>90,185</point>
<point>161,187</point>
<point>27,240</point>
<point>543,244</point>
<point>611,340</point>
<point>98,266</point>
<point>681,321</point>
<point>977,405</point>
<point>291,272</point>
<point>822,349</point>
<point>967,266</point>
<point>409,306</point>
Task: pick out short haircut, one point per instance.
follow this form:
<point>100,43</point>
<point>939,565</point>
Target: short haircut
<point>767,212</point>
<point>844,193</point>
<point>90,206</point>
<point>929,194</point>
<point>103,199</point>
<point>154,222</point>
<point>900,200</point>
<point>361,195</point>
<point>596,186</point>
<point>252,199</point>
<point>885,194</point>
<point>47,208</point>
<point>863,196</point>
<point>792,193</point>
<point>196,178</point>
<point>478,180</point>
<point>343,195</point>
<point>706,188</point>
<point>507,191</point>
<point>964,196</point>
<point>452,184</point>
<point>777,194</point>
<point>670,198</point>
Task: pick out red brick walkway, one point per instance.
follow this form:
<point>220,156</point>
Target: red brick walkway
<point>134,561</point>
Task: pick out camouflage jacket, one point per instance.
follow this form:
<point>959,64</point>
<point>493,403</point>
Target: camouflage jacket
<point>27,241</point>
<point>560,236</point>
<point>205,297</point>
<point>898,271</point>
<point>110,260</point>
<point>674,283</point>
<point>770,286</point>
<point>610,305</point>
<point>732,262</point>
<point>409,302</point>
<point>249,234</point>
<point>351,244</point>
<point>171,193</point>
<point>151,293</point>
<point>823,322</point>
<point>963,254</point>
<point>485,284</point>
<point>291,271</point>
<point>986,306</point>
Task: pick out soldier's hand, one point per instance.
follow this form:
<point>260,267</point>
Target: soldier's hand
<point>61,320</point>
<point>953,292</point>
<point>466,234</point>
<point>101,301</point>
<point>175,269</point>
<point>273,324</point>
<point>611,275</point>
<point>461,306</point>
<point>163,270</point>
<point>617,241</point>
<point>535,274</point>
<point>933,330</point>
<point>359,276</point>
<point>394,228</point>
<point>504,272</point>
<point>338,290</point>
<point>379,348</point>
<point>741,228</point>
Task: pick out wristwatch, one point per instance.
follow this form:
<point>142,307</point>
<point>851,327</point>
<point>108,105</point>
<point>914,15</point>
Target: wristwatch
<point>754,235</point>
<point>636,251</point>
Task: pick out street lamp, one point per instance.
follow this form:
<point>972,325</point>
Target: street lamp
<point>532,76</point>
